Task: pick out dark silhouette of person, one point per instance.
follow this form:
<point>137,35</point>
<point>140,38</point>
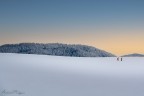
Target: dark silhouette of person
<point>121,59</point>
<point>117,58</point>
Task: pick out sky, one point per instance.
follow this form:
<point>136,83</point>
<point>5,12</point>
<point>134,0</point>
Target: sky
<point>116,26</point>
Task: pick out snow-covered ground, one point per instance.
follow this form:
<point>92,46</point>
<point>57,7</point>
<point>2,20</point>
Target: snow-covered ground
<point>41,75</point>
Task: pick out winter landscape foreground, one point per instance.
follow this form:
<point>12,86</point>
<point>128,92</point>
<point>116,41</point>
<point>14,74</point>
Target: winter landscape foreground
<point>42,75</point>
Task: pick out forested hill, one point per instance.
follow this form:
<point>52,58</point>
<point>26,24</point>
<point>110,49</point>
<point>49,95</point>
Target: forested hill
<point>56,49</point>
<point>134,55</point>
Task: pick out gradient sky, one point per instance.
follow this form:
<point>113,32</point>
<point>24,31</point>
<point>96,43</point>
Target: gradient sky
<point>116,26</point>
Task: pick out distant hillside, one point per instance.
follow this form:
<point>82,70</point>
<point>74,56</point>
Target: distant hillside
<point>55,49</point>
<point>134,55</point>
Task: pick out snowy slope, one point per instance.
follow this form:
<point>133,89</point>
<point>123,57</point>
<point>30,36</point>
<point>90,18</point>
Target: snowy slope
<point>38,75</point>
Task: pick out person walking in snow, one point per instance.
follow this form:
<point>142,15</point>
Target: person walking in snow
<point>117,58</point>
<point>121,59</point>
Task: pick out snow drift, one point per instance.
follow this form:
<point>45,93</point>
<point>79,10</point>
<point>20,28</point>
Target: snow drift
<point>42,75</point>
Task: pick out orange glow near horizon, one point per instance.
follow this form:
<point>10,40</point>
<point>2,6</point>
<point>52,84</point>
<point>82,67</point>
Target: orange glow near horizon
<point>118,44</point>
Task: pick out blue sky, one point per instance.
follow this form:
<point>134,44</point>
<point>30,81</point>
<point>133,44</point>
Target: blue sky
<point>71,12</point>
<point>74,21</point>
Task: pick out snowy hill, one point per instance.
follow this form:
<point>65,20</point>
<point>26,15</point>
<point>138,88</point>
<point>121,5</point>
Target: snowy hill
<point>55,49</point>
<point>134,55</point>
<point>42,75</point>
